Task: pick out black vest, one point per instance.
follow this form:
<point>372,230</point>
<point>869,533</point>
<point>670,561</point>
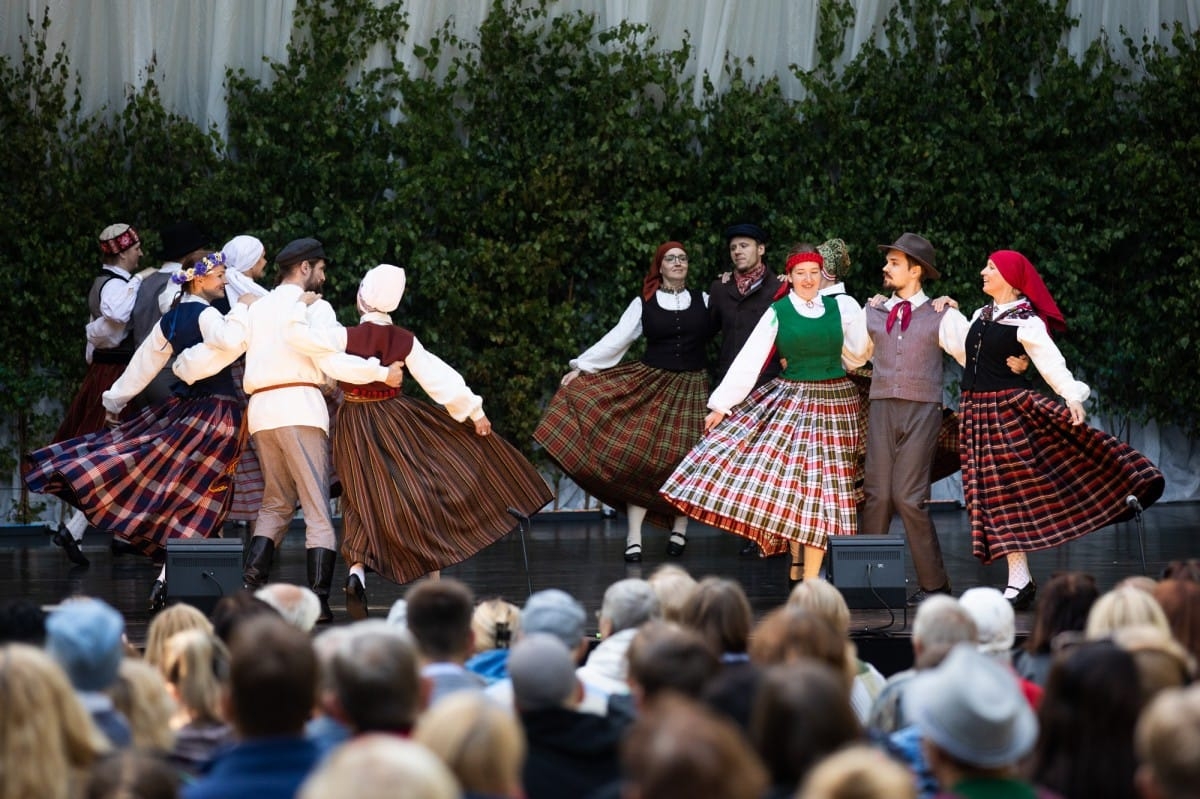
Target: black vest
<point>989,345</point>
<point>675,340</point>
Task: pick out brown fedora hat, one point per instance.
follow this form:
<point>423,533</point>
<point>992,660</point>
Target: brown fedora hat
<point>917,248</point>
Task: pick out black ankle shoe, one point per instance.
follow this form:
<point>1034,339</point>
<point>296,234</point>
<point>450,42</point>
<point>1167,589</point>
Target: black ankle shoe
<point>62,538</point>
<point>749,550</point>
<point>356,598</point>
<point>633,553</point>
<point>158,596</point>
<point>921,594</point>
<point>1025,596</point>
<point>675,544</point>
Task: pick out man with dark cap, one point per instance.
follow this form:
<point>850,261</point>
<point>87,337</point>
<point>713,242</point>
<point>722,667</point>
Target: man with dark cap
<point>737,300</point>
<point>908,335</point>
<point>287,416</point>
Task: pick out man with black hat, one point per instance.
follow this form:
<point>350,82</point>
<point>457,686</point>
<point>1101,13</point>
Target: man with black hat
<point>287,416</point>
<point>908,334</point>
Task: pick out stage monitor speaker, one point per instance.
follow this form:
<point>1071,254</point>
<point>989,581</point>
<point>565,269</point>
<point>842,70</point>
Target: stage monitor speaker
<point>868,570</point>
<point>202,570</point>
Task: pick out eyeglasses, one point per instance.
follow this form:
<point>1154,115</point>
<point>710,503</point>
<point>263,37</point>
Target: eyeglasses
<point>675,259</point>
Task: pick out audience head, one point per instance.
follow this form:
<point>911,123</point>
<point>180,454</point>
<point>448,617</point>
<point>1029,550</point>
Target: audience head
<point>166,623</point>
<point>801,714</point>
<point>46,736</point>
<point>439,619</point>
<point>673,586</point>
<point>1167,744</point>
<point>543,674</point>
<point>233,609</point>
<point>719,610</point>
<point>680,750</point>
<point>1124,607</point>
<point>140,695</point>
<point>627,604</point>
<point>824,599</point>
<point>1161,661</point>
<point>1062,606</point>
<point>941,623</point>
<point>22,621</point>
<point>86,637</point>
<point>196,667</point>
<point>272,678</point>
<point>1180,601</point>
<point>971,714</point>
<point>788,634</point>
<point>297,604</point>
<point>381,767</point>
<point>133,774</point>
<point>859,772</point>
<point>495,624</point>
<point>995,621</point>
<point>556,613</point>
<point>1087,715</point>
<point>1188,569</point>
<point>377,681</point>
<point>664,656</point>
<point>481,743</point>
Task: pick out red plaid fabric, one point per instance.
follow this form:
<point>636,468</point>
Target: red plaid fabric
<point>780,467</point>
<point>620,433</point>
<point>1032,480</point>
<point>421,491</point>
<point>248,481</point>
<point>86,414</point>
<point>166,473</point>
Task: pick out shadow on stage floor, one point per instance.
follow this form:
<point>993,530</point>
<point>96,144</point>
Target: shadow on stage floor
<point>581,553</point>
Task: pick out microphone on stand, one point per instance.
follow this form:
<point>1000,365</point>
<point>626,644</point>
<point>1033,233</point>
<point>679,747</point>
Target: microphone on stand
<point>1131,501</point>
<point>523,518</point>
<point>1133,504</point>
<point>522,523</point>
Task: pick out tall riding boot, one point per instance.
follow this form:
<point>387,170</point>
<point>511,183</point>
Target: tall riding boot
<point>320,578</point>
<point>259,554</point>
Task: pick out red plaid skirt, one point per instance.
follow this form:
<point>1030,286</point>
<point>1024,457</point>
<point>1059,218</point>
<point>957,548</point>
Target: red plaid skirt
<point>166,473</point>
<point>779,468</point>
<point>619,433</point>
<point>421,491</point>
<point>86,414</point>
<point>1032,480</point>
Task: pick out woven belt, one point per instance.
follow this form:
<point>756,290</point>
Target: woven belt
<point>285,385</point>
<point>369,394</point>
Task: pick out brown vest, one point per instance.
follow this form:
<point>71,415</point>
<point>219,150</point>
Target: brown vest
<point>906,365</point>
<point>388,343</point>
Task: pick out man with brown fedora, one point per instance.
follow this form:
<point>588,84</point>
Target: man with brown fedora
<point>909,333</point>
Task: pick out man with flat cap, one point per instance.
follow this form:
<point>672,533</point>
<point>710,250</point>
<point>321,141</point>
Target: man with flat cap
<point>287,417</point>
<point>908,333</point>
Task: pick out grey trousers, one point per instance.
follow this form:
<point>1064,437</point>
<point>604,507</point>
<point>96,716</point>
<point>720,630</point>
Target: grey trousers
<point>901,439</point>
<point>295,467</point>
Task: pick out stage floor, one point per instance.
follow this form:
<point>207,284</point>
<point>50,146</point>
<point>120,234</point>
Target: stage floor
<point>582,554</point>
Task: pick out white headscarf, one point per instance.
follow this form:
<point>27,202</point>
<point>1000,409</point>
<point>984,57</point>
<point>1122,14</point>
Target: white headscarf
<point>381,288</point>
<point>241,253</point>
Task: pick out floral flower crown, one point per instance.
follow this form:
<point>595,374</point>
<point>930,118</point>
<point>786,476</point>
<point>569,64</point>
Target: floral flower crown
<point>199,269</point>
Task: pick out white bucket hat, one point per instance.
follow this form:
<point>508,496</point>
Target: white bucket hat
<point>971,707</point>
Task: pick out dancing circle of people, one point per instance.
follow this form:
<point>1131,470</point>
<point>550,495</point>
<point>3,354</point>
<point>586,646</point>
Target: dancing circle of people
<point>209,398</point>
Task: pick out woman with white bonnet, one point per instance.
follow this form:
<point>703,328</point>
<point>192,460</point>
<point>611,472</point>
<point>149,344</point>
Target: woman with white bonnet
<point>246,259</point>
<point>421,488</point>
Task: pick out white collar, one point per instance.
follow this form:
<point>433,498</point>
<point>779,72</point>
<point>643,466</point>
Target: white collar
<point>916,300</point>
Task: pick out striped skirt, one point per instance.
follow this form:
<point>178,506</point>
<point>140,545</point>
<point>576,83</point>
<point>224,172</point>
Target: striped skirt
<point>619,433</point>
<point>86,414</point>
<point>166,473</point>
<point>1032,480</point>
<point>421,491</point>
<point>779,468</point>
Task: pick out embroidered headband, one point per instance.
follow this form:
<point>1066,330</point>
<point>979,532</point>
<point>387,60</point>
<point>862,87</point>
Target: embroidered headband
<point>802,258</point>
<point>199,269</point>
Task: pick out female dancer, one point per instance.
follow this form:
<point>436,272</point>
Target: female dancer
<point>619,431</point>
<point>420,489</point>
<point>1034,475</point>
<point>780,469</point>
<point>167,472</point>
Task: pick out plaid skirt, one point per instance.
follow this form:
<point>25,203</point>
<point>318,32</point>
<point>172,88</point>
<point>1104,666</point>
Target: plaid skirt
<point>248,481</point>
<point>421,491</point>
<point>779,468</point>
<point>166,473</point>
<point>619,433</point>
<point>86,414</point>
<point>1032,480</point>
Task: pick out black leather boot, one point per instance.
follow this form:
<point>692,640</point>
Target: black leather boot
<point>320,579</point>
<point>259,555</point>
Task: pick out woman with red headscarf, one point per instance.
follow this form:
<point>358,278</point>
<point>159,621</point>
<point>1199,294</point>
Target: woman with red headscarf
<point>777,465</point>
<point>1034,475</point>
<point>619,431</point>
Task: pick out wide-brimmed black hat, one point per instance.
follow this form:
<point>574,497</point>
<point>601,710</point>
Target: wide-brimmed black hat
<point>301,250</point>
<point>179,239</point>
<point>917,248</point>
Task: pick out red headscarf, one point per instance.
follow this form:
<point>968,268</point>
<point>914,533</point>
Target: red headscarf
<point>653,278</point>
<point>1021,275</point>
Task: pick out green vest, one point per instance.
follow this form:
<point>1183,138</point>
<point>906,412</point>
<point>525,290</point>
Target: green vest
<point>811,347</point>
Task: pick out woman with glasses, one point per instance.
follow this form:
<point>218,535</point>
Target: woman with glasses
<point>620,430</point>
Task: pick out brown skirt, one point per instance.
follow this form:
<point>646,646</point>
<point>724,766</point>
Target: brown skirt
<point>421,491</point>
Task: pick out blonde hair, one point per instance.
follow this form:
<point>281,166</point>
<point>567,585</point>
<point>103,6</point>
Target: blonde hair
<point>196,663</point>
<point>495,623</point>
<point>858,772</point>
<point>481,742</point>
<point>674,587</point>
<point>1124,606</point>
<point>140,694</point>
<point>381,766</point>
<point>173,619</point>
<point>822,598</point>
<point>1167,741</point>
<point>47,739</point>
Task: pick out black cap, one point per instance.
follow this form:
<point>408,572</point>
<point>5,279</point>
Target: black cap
<point>748,230</point>
<point>180,239</point>
<point>301,250</point>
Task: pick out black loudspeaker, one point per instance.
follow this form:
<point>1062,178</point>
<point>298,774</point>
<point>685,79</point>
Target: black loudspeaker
<point>202,570</point>
<point>868,570</point>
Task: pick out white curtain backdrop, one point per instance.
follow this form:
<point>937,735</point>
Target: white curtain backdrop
<point>190,43</point>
